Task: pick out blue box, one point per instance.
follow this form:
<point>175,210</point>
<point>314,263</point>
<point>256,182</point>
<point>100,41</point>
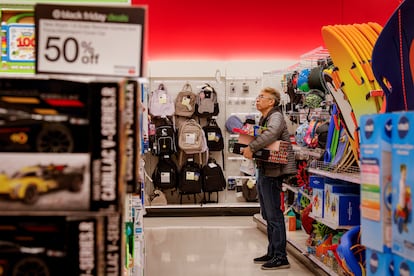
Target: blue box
<point>403,185</point>
<point>335,186</point>
<point>378,263</point>
<point>317,202</point>
<point>376,180</point>
<point>403,266</point>
<point>344,209</point>
<point>317,182</point>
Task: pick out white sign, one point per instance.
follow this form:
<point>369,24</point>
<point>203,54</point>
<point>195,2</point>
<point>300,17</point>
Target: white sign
<point>89,40</point>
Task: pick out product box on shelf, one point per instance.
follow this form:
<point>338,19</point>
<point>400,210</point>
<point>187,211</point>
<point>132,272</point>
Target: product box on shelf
<point>376,180</point>
<point>378,263</point>
<point>334,204</point>
<point>17,41</point>
<point>403,185</point>
<point>64,144</point>
<point>317,184</point>
<point>402,266</point>
<point>61,245</point>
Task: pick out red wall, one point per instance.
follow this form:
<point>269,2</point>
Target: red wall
<point>259,29</point>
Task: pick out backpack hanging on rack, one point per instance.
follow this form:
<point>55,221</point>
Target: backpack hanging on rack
<point>192,140</point>
<point>164,141</point>
<point>190,178</point>
<point>207,104</point>
<point>213,178</point>
<point>160,102</point>
<point>165,175</point>
<point>185,102</point>
<point>214,137</point>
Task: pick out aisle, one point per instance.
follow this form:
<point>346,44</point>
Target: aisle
<point>207,246</point>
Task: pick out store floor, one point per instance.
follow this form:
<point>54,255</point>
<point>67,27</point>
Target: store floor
<point>208,246</point>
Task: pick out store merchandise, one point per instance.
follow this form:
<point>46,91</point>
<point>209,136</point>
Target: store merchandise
<point>190,180</point>
<point>164,138</point>
<point>165,175</point>
<point>392,59</point>
<point>185,101</point>
<point>213,177</point>
<point>379,263</point>
<point>161,103</point>
<point>207,104</point>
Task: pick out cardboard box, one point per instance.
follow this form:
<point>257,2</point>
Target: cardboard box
<point>403,185</point>
<point>333,186</point>
<point>64,136</point>
<point>344,209</point>
<point>378,263</point>
<point>317,202</point>
<point>62,245</point>
<point>376,180</point>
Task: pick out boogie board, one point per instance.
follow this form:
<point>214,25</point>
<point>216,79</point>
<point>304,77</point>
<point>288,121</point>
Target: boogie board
<point>350,72</point>
<point>391,61</point>
<point>376,27</point>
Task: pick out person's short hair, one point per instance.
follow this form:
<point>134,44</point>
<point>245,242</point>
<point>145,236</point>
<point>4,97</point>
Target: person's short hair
<point>274,94</point>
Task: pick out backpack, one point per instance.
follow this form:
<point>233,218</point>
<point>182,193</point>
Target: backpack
<point>165,139</point>
<point>207,104</point>
<point>191,137</point>
<point>214,137</point>
<point>249,190</point>
<point>165,175</point>
<point>213,177</point>
<point>190,178</point>
<point>185,102</point>
<point>160,102</point>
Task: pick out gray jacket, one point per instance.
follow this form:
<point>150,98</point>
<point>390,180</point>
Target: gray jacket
<point>276,130</point>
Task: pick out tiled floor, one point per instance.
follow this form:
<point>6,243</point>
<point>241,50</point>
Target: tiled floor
<point>207,246</point>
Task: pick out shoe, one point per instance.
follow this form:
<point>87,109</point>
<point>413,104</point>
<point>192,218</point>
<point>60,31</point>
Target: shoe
<point>276,263</point>
<point>263,259</point>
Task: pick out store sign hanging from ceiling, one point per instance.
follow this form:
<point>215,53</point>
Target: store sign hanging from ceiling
<point>89,40</point>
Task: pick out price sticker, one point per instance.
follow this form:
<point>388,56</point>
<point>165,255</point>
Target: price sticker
<point>89,40</point>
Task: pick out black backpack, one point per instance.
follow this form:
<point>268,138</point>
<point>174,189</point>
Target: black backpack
<point>190,178</point>
<point>213,177</point>
<point>214,137</point>
<point>165,175</point>
<point>165,142</point>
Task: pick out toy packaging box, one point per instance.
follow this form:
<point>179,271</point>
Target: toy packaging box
<point>341,202</point>
<point>317,183</point>
<point>61,245</point>
<point>17,41</point>
<point>378,263</point>
<point>61,144</point>
<point>402,266</point>
<point>376,180</point>
<point>403,185</point>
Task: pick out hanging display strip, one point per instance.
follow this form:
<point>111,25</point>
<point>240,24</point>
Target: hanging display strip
<point>86,40</point>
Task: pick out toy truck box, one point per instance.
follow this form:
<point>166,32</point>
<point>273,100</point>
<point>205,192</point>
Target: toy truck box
<point>61,144</point>
<point>376,189</point>
<point>403,185</point>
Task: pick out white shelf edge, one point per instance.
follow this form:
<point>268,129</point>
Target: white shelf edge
<point>343,176</point>
<point>331,224</point>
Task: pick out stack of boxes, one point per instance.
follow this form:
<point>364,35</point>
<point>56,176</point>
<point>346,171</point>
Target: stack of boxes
<point>68,149</point>
<point>387,149</point>
<point>335,201</point>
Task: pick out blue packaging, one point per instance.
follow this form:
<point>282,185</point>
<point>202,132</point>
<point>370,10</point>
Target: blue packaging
<point>378,263</point>
<point>376,180</point>
<point>403,266</point>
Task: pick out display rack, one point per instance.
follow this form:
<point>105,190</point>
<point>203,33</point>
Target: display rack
<point>350,174</point>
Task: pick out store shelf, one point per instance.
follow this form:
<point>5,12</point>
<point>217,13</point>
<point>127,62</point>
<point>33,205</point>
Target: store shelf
<point>308,152</point>
<point>297,239</point>
<point>350,174</point>
<point>296,190</point>
<point>331,224</point>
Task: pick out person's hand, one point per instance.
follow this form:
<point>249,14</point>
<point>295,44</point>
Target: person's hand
<point>247,153</point>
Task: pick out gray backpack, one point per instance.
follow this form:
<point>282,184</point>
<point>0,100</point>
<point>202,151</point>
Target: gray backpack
<point>185,102</point>
<point>207,104</point>
<point>191,138</point>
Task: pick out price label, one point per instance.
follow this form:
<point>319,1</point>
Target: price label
<point>89,40</point>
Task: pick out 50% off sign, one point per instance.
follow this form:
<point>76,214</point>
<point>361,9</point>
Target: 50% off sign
<point>89,40</point>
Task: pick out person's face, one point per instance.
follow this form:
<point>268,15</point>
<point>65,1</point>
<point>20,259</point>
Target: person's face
<point>264,101</point>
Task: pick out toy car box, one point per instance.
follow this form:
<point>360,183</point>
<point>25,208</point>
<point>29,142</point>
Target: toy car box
<point>376,188</point>
<point>403,185</point>
<point>61,245</point>
<point>56,130</point>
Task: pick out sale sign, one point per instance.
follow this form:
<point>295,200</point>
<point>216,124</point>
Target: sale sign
<point>89,40</point>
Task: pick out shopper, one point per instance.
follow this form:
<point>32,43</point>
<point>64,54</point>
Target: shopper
<point>270,177</point>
